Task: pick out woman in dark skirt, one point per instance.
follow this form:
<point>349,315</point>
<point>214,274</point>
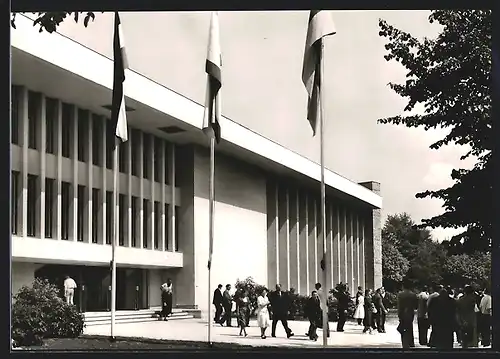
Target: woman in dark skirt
<point>243,309</point>
<point>369,309</point>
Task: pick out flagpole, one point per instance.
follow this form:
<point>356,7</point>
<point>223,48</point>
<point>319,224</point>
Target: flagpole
<point>114,236</point>
<point>323,195</point>
<point>211,211</point>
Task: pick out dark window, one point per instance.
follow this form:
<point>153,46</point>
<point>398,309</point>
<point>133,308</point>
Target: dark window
<point>65,210</point>
<point>146,213</point>
<point>66,130</point>
<point>135,141</point>
<point>83,131</point>
<point>95,215</point>
<point>50,125</point>
<point>146,142</point>
<point>135,218</point>
<point>33,107</point>
<point>80,212</point>
<point>109,145</point>
<point>157,225</point>
<point>32,199</point>
<point>176,234</point>
<point>96,140</point>
<point>109,216</point>
<point>49,207</point>
<point>122,155</point>
<point>121,219</point>
<point>156,158</point>
<point>167,227</point>
<point>14,125</point>
<point>14,201</point>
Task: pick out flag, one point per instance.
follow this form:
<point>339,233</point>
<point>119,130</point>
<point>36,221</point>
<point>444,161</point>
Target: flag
<point>118,110</point>
<point>320,26</point>
<point>213,67</point>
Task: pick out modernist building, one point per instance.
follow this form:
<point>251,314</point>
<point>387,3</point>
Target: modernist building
<point>267,211</point>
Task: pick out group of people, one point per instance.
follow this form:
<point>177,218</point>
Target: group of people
<point>465,313</point>
<point>276,303</point>
<point>371,309</point>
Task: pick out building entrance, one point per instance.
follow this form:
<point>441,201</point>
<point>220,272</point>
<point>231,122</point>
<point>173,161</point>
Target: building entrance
<point>93,293</point>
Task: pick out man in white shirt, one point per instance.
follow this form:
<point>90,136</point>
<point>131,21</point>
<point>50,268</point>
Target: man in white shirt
<point>485,326</point>
<point>320,295</point>
<point>69,289</point>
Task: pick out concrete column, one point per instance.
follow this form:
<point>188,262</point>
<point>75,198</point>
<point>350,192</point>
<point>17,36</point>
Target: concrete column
<point>293,258</point>
<point>58,201</point>
<point>104,187</point>
<point>128,241</point>
<point>163,215</point>
<point>356,252</point>
<point>336,244</point>
<point>343,247</point>
<point>172,170</point>
<point>42,130</point>
<point>303,244</point>
<point>283,236</point>
<point>73,234</point>
<point>362,254</point>
<point>311,243</point>
<point>329,259</point>
<point>319,240</point>
<point>350,259</point>
<point>24,125</point>
<point>140,157</point>
<point>152,214</point>
<point>90,179</point>
<point>373,243</point>
<point>272,233</point>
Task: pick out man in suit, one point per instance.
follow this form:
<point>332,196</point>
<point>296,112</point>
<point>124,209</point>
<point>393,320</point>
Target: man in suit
<point>407,303</point>
<point>320,293</point>
<point>280,304</point>
<point>342,306</point>
<point>378,301</point>
<point>313,312</point>
<point>436,289</point>
<point>422,319</point>
<point>217,302</point>
<point>227,303</point>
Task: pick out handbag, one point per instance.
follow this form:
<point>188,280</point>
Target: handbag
<point>374,310</point>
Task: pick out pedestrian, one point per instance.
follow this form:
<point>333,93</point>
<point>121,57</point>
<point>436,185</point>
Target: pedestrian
<point>467,319</point>
<point>342,306</point>
<point>407,303</point>
<point>380,316</point>
<point>485,315</point>
<point>313,312</point>
<point>243,309</point>
<point>217,302</point>
<point>321,293</point>
<point>436,288</point>
<point>69,290</point>
<point>369,310</point>
<point>422,319</point>
<point>359,313</point>
<point>227,304</point>
<point>263,312</point>
<point>444,314</point>
<point>280,305</point>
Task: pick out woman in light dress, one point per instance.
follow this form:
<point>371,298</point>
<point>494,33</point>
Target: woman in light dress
<point>263,313</point>
<point>359,313</point>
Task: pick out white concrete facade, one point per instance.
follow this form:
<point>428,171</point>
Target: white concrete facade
<point>267,224</point>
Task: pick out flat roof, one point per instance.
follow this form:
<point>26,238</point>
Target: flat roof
<point>71,56</point>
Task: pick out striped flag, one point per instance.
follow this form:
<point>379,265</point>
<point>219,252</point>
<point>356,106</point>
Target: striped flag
<point>118,110</point>
<point>213,67</point>
<point>320,26</point>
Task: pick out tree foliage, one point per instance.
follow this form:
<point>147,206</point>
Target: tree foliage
<point>394,266</point>
<point>472,269</point>
<point>49,21</point>
<point>450,77</point>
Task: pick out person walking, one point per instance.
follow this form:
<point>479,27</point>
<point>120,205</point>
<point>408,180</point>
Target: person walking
<point>243,310</point>
<point>227,304</point>
<point>359,313</point>
<point>313,312</point>
<point>380,316</point>
<point>467,319</point>
<point>321,293</point>
<point>407,303</point>
<point>422,319</point>
<point>436,288</point>
<point>263,313</point>
<point>369,310</point>
<point>485,315</point>
<point>69,289</point>
<point>342,306</point>
<point>217,302</point>
<point>280,305</point>
<point>444,319</point>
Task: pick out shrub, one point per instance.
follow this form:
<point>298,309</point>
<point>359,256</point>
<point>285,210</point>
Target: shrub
<point>392,300</point>
<point>39,312</point>
<point>253,289</point>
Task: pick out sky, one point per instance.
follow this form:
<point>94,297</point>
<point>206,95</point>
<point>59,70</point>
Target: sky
<point>262,89</point>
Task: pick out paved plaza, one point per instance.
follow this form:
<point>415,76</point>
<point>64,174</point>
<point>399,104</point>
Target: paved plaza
<point>196,330</point>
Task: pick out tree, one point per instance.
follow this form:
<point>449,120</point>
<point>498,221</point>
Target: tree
<point>49,21</point>
<point>394,266</point>
<point>450,77</point>
<point>474,269</point>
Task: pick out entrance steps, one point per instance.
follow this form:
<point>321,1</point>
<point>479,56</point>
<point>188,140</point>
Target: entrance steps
<point>132,316</point>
